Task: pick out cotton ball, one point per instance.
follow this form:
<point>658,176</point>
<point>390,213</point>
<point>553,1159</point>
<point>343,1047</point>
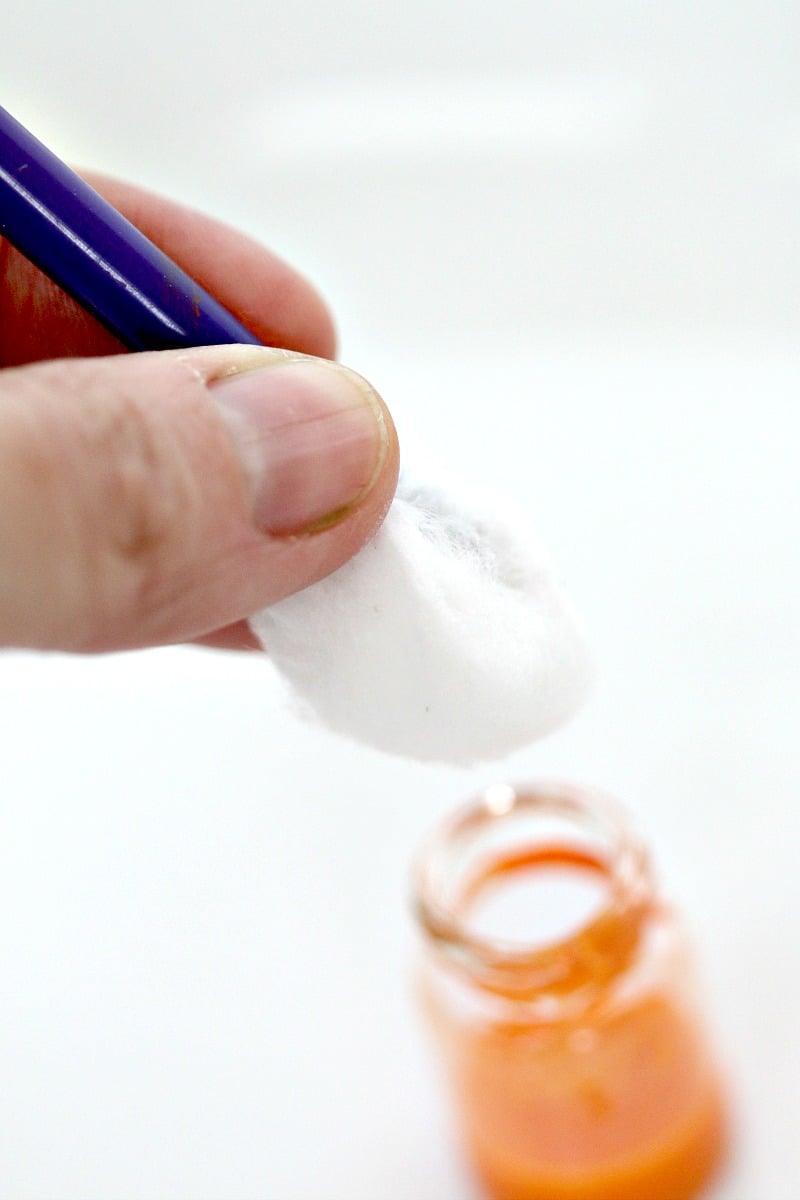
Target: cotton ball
<point>447,638</point>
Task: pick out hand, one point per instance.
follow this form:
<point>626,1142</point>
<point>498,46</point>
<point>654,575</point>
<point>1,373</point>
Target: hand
<point>156,498</point>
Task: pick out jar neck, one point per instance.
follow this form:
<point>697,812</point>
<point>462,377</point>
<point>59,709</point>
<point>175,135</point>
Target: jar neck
<point>508,831</point>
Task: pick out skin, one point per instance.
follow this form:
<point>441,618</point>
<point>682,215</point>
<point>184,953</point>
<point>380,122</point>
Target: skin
<point>70,411</point>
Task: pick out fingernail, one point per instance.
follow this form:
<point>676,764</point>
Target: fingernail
<point>311,436</point>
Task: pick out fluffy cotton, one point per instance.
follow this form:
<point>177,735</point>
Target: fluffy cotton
<point>447,638</point>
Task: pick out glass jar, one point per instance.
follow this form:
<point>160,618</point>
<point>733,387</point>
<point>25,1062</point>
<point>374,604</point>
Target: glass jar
<point>560,990</point>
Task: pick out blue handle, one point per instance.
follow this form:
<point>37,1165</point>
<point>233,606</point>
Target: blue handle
<point>77,238</point>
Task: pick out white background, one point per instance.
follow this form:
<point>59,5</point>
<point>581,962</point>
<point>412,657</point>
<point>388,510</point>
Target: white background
<point>562,239</point>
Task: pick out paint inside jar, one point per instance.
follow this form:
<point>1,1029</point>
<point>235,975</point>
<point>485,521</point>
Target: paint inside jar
<point>560,991</point>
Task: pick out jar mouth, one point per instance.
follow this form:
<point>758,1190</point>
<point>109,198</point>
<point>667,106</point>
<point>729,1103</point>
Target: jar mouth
<point>525,824</point>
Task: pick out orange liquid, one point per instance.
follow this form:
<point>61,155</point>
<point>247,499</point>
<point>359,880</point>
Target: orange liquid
<point>621,1103</point>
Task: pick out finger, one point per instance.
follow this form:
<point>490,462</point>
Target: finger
<point>155,498</point>
<point>238,636</point>
<point>39,321</point>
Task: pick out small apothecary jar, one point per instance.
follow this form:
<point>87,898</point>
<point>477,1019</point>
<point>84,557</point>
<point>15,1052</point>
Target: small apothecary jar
<point>561,993</point>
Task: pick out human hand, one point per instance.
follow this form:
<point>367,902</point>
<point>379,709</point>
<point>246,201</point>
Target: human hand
<point>156,498</point>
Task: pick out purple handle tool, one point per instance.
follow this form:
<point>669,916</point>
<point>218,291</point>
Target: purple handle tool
<point>90,250</point>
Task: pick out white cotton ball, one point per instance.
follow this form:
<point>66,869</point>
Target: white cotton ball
<point>447,638</point>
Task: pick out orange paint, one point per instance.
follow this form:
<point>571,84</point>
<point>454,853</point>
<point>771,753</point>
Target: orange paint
<point>607,1089</point>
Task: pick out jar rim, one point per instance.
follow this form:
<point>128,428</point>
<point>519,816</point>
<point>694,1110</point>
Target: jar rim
<point>600,946</point>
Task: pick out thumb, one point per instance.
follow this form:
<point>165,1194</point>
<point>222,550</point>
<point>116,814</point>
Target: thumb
<point>155,498</point>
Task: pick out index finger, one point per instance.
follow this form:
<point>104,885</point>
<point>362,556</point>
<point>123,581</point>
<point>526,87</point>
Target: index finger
<point>39,321</point>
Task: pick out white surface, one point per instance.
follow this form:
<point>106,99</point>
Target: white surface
<point>205,948</point>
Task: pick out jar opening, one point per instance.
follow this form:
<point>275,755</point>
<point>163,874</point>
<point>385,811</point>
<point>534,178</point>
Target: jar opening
<point>535,898</point>
<point>534,889</point>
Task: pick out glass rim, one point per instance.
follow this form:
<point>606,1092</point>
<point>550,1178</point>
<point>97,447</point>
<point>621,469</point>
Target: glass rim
<point>536,967</point>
